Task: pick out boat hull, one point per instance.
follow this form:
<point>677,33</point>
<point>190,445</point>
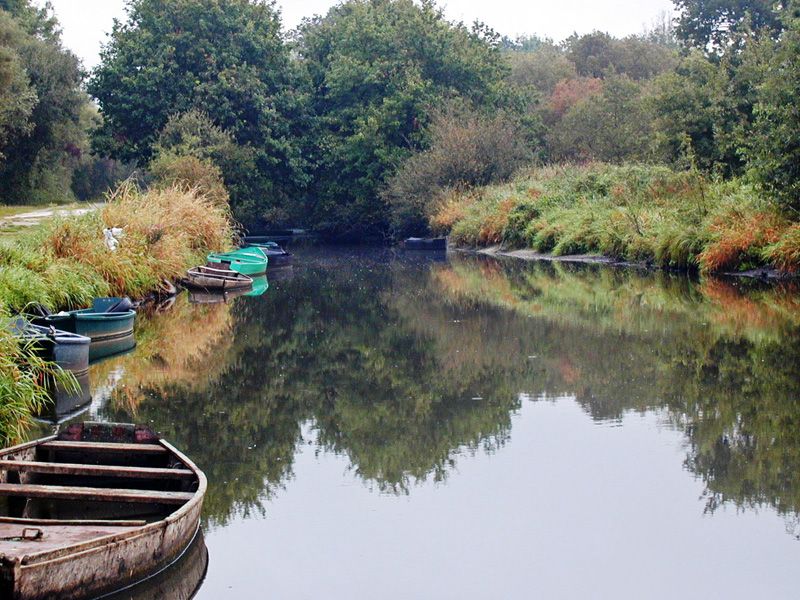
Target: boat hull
<point>120,561</point>
<point>428,244</point>
<point>110,333</point>
<point>217,280</point>
<point>252,263</point>
<point>75,560</point>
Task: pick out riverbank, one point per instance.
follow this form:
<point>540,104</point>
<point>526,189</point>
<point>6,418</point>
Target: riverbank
<point>762,273</point>
<point>634,215</point>
<point>65,263</point>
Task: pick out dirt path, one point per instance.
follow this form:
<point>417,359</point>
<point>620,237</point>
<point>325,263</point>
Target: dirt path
<point>35,217</point>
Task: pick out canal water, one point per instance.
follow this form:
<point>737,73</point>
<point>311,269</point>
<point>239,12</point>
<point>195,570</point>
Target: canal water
<point>380,424</point>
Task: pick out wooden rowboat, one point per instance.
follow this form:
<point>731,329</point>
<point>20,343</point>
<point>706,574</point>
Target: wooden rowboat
<point>214,279</point>
<point>94,509</point>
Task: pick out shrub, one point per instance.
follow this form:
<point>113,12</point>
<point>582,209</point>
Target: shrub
<point>190,173</point>
<point>467,150</point>
<point>784,254</point>
<point>738,240</point>
<point>632,212</point>
<point>67,263</point>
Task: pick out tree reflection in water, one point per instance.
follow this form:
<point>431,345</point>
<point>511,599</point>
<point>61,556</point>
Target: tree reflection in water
<point>402,365</point>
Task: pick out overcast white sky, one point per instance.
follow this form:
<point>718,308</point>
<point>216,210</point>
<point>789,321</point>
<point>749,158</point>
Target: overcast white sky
<point>86,22</point>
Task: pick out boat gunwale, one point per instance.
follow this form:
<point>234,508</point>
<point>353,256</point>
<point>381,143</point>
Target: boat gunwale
<point>224,274</point>
<point>75,550</point>
<point>89,314</point>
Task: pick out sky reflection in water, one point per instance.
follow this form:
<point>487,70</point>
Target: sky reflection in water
<point>381,424</point>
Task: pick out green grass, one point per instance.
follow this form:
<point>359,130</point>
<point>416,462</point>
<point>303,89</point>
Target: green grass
<point>64,263</point>
<point>633,212</point>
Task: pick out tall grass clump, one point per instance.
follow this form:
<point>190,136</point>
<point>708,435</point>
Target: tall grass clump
<point>640,213</point>
<point>165,230</point>
<point>24,380</point>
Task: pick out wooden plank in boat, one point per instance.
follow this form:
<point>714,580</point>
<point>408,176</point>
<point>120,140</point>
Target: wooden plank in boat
<point>103,447</point>
<point>60,492</point>
<point>83,522</point>
<point>30,466</point>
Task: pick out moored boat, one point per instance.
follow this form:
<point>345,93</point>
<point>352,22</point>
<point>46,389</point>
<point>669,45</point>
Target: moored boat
<point>247,261</point>
<point>93,509</point>
<point>70,352</point>
<point>436,244</point>
<point>215,279</point>
<point>109,325</point>
<point>278,257</point>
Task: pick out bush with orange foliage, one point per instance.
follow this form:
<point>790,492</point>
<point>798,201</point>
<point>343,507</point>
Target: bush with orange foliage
<point>784,254</point>
<point>569,92</point>
<point>738,240</point>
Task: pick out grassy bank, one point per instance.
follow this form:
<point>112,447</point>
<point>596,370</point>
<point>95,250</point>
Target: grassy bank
<point>65,263</point>
<point>635,212</point>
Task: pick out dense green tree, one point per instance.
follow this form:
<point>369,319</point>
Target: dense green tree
<point>686,105</point>
<point>613,125</point>
<point>223,57</point>
<point>36,20</point>
<point>638,57</point>
<point>711,24</point>
<point>17,98</point>
<point>541,69</point>
<point>377,68</point>
<point>39,160</point>
<point>773,143</point>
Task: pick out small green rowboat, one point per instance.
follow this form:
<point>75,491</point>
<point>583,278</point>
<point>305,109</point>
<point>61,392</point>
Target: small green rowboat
<point>109,325</point>
<point>247,261</point>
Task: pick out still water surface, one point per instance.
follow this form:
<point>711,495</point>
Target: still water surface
<point>385,425</point>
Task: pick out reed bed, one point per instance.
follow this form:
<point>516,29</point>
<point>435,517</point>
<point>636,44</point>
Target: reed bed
<point>66,263</point>
<point>636,212</point>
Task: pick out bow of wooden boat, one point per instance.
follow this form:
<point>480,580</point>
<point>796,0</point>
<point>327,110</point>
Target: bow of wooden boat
<point>96,508</point>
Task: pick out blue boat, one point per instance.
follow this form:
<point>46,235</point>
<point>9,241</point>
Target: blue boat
<point>278,257</point>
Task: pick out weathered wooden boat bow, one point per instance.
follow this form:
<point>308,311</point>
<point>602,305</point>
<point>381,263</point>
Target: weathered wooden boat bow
<point>93,509</point>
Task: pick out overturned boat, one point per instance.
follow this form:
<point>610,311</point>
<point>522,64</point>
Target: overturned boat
<point>94,509</point>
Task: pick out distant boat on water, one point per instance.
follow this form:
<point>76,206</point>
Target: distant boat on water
<point>437,244</point>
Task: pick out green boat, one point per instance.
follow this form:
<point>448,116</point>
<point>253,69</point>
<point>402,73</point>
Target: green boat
<point>109,325</point>
<point>260,286</point>
<point>247,261</point>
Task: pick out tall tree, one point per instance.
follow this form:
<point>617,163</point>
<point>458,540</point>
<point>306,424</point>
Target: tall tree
<point>225,58</point>
<point>773,146</point>
<point>712,23</point>
<point>41,156</point>
<point>377,68</point>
